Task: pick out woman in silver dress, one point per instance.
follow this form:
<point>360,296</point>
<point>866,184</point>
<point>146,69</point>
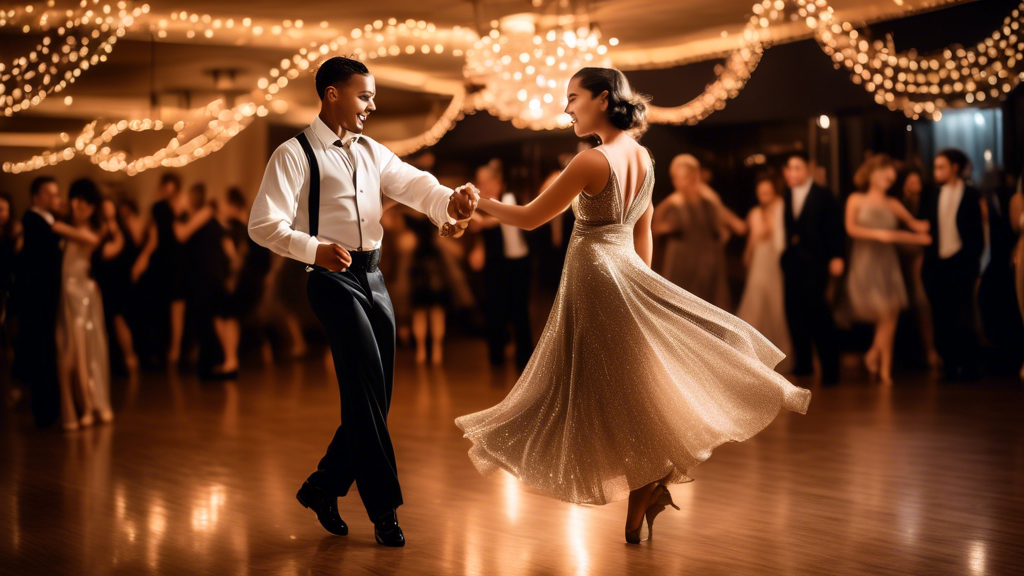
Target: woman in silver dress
<point>875,283</point>
<point>83,356</point>
<point>634,380</point>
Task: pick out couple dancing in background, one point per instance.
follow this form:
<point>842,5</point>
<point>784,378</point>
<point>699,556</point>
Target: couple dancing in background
<point>62,349</point>
<point>635,380</point>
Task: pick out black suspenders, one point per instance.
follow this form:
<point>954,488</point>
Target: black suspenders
<point>314,190</point>
<point>314,184</point>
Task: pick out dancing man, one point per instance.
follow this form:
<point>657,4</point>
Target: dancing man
<point>320,202</point>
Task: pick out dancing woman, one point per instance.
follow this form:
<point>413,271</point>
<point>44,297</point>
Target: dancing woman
<point>635,380</point>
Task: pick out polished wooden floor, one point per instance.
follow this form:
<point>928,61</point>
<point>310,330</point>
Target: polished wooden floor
<point>200,478</point>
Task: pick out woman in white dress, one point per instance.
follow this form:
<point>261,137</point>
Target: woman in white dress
<point>83,357</point>
<point>763,304</point>
<point>634,380</point>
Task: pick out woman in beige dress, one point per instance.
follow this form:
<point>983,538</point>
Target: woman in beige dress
<point>696,226</point>
<point>763,304</point>
<point>634,380</point>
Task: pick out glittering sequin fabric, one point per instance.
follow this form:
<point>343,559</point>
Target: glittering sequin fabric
<point>633,380</point>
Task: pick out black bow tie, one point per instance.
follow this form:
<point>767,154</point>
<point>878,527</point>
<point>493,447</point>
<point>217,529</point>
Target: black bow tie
<point>338,143</point>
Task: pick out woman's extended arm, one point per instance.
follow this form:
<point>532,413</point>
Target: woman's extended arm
<point>76,234</point>
<point>583,172</point>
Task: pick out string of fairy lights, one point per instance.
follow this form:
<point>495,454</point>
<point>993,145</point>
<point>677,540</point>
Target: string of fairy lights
<point>924,85</point>
<point>28,80</point>
<point>517,70</point>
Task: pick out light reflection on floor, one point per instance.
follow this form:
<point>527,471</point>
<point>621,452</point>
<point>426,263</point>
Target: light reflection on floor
<point>200,478</point>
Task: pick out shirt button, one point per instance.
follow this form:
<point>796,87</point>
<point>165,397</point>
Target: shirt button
<point>360,191</point>
<point>363,220</point>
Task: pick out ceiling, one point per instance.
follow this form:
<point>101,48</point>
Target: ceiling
<point>176,71</point>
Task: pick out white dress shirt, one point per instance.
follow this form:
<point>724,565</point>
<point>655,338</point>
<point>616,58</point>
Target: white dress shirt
<point>800,196</point>
<point>949,204</point>
<point>348,217</point>
<point>515,244</point>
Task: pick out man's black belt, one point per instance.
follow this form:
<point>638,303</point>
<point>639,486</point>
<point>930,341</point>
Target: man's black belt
<point>362,261</point>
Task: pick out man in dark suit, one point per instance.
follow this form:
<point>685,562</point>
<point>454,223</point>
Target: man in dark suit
<point>814,250</point>
<point>506,273</point>
<point>36,296</point>
<point>952,262</point>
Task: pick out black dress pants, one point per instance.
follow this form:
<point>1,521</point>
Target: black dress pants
<point>356,313</point>
<point>949,283</point>
<point>508,302</point>
<point>810,322</point>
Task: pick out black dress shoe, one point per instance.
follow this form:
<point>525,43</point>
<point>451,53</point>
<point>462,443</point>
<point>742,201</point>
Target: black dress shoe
<point>326,507</point>
<point>387,532</point>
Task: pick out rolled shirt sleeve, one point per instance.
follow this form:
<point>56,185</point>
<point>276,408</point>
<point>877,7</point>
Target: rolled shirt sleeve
<point>273,210</point>
<point>413,187</point>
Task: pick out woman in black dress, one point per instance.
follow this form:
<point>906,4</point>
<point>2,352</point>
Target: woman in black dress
<point>430,290</point>
<point>249,264</point>
<point>206,276</point>
<point>112,269</point>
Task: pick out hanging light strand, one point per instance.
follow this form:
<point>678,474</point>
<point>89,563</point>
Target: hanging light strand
<point>922,85</point>
<point>28,80</point>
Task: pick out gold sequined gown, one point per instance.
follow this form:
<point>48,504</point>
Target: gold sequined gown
<point>634,379</point>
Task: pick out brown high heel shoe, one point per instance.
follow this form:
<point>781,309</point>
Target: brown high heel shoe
<point>664,500</point>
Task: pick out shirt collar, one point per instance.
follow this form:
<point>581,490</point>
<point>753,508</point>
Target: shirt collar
<point>959,187</point>
<point>327,136</point>
<point>45,214</point>
<point>805,187</point>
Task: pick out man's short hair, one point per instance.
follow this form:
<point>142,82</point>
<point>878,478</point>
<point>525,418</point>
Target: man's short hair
<point>957,157</point>
<point>801,155</point>
<point>39,182</point>
<point>335,70</point>
<point>170,178</point>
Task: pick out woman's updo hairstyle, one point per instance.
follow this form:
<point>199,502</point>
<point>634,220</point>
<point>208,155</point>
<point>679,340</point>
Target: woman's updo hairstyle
<point>627,110</point>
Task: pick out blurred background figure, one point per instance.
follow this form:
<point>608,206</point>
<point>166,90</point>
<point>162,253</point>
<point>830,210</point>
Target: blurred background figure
<point>396,265</point>
<point>112,269</point>
<point>763,302</point>
<point>1002,327</point>
<point>210,261</point>
<point>428,280</point>
<point>814,251</point>
<point>84,357</point>
<point>250,264</point>
<point>158,271</point>
<point>695,229</point>
<point>1017,220</point>
<point>874,283</point>
<point>36,300</point>
<point>507,272</point>
<point>9,234</point>
<point>951,263</point>
<point>910,187</point>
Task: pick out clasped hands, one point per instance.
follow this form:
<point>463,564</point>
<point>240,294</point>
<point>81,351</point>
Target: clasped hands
<point>461,206</point>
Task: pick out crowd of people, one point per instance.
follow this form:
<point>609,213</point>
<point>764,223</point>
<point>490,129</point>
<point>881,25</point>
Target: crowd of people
<point>947,253</point>
<point>184,285</point>
<point>92,287</point>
